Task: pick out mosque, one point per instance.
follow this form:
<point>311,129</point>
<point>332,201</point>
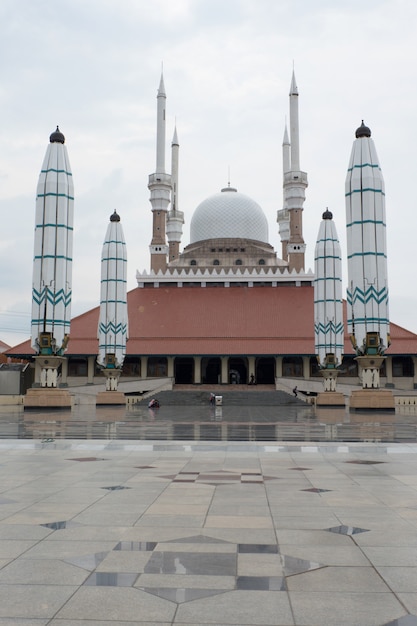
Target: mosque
<point>227,308</point>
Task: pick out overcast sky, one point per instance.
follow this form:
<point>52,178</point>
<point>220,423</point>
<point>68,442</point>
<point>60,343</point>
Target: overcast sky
<point>93,67</point>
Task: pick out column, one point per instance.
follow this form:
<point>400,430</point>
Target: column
<point>197,370</point>
<point>251,367</point>
<point>388,370</point>
<point>143,366</point>
<point>306,367</point>
<point>64,373</point>
<point>224,360</point>
<point>91,365</point>
<point>170,367</point>
<point>278,367</point>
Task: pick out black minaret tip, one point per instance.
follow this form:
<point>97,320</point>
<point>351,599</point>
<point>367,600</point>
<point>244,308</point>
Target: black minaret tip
<point>327,215</point>
<point>57,136</point>
<point>115,217</point>
<point>362,131</point>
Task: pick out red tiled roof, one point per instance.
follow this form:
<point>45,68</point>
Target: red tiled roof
<point>234,320</point>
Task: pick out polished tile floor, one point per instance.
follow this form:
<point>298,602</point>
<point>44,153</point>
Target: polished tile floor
<point>117,531</point>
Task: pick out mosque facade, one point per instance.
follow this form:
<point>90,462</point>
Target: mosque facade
<point>226,308</point>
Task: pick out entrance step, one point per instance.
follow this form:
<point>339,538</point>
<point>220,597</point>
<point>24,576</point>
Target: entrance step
<point>231,397</point>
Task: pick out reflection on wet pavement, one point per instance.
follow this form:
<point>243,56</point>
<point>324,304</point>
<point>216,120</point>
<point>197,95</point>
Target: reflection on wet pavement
<point>199,423</point>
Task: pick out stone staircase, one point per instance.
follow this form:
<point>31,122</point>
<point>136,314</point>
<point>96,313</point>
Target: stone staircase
<point>232,395</point>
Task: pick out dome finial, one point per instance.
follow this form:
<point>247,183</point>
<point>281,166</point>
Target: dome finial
<point>114,217</point>
<point>57,136</point>
<point>362,131</point>
<point>327,215</point>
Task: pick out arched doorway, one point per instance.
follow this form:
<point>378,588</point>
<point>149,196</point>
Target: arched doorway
<point>265,370</point>
<point>184,370</point>
<point>211,370</point>
<point>238,371</point>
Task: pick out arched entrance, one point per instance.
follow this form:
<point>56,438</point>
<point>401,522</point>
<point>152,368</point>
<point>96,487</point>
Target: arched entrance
<point>265,371</point>
<point>184,370</point>
<point>238,371</point>
<point>211,370</point>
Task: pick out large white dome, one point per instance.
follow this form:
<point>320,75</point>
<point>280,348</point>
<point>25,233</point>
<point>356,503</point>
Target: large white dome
<point>228,214</point>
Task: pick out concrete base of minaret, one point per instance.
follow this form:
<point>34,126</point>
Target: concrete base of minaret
<point>375,399</point>
<point>110,397</point>
<point>330,398</point>
<point>47,398</point>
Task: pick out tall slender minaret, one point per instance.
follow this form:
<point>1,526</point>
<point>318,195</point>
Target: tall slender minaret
<point>113,321</point>
<point>175,219</point>
<point>367,293</point>
<point>160,187</point>
<point>295,183</point>
<point>52,263</point>
<point>283,217</point>
<point>328,302</point>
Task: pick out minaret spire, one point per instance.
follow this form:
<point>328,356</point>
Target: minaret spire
<point>160,129</point>
<point>295,183</point>
<point>283,217</point>
<point>160,187</point>
<point>294,126</point>
<point>175,219</point>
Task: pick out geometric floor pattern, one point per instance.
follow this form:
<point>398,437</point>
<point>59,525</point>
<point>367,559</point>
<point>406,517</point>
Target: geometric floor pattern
<point>121,533</point>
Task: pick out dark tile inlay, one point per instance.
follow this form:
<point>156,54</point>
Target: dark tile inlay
<point>347,530</point>
<point>144,467</point>
<point>257,548</point>
<point>191,563</point>
<point>407,620</point>
<point>300,469</point>
<point>292,565</point>
<point>181,595</point>
<point>116,488</point>
<point>88,458</point>
<point>261,583</point>
<point>359,462</point>
<point>316,490</point>
<point>111,579</point>
<point>251,474</point>
<point>55,525</point>
<point>136,546</point>
<point>197,539</point>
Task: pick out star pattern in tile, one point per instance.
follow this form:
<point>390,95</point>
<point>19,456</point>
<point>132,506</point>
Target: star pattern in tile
<point>347,530</point>
<point>219,477</point>
<point>189,564</point>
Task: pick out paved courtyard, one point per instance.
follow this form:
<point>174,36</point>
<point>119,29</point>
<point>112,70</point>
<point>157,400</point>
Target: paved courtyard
<point>105,532</point>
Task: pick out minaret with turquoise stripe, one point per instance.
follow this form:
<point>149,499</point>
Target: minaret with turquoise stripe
<point>328,302</point>
<point>367,292</point>
<point>113,321</point>
<point>52,263</point>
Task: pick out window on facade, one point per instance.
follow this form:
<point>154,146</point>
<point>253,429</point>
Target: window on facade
<point>193,262</point>
<point>238,261</point>
<point>77,366</point>
<point>261,261</point>
<point>131,366</point>
<point>157,366</point>
<point>402,366</point>
<point>314,367</point>
<point>216,262</point>
<point>292,366</point>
